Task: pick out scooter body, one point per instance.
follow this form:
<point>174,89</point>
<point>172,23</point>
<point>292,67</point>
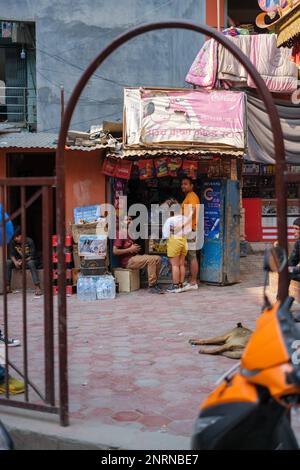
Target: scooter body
<point>244,426</point>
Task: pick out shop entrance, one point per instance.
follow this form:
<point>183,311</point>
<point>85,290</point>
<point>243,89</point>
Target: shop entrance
<point>156,191</point>
<point>24,165</point>
<point>217,186</point>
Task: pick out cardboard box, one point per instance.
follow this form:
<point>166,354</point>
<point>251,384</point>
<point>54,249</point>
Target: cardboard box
<point>94,228</point>
<point>92,263</point>
<point>93,271</point>
<point>92,246</point>
<point>127,279</point>
<point>87,214</point>
<point>83,229</point>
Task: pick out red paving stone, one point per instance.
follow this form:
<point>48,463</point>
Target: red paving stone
<point>130,363</point>
<point>126,416</point>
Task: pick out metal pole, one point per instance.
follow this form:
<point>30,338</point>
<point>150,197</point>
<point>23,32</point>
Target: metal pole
<point>24,290</point>
<point>62,301</point>
<point>48,296</point>
<point>5,285</point>
<point>62,102</point>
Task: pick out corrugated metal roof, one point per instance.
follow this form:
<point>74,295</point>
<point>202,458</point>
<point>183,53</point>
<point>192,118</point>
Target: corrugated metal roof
<point>11,126</point>
<point>126,153</point>
<point>38,140</point>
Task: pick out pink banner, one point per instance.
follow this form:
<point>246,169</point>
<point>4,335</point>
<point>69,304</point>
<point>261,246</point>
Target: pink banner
<point>189,117</point>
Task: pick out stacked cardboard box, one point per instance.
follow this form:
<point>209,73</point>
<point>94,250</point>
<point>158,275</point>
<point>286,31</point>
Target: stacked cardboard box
<point>90,249</point>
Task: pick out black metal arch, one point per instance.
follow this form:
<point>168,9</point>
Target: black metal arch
<point>263,91</point>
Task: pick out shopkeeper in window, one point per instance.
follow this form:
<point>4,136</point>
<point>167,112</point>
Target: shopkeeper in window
<point>191,201</point>
<point>129,254</point>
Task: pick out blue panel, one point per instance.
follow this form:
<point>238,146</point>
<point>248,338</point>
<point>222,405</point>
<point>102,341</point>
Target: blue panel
<point>232,233</point>
<point>212,262</point>
<point>211,269</point>
<point>220,256</point>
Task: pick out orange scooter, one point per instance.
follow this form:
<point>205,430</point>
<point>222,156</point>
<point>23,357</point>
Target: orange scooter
<point>250,408</point>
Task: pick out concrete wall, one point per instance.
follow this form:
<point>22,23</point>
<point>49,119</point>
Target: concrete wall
<point>85,183</point>
<point>70,33</point>
<point>212,13</point>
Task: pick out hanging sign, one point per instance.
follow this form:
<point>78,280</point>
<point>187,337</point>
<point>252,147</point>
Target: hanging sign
<point>212,209</point>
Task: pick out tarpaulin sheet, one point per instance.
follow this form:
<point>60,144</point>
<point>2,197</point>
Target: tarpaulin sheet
<point>260,136</point>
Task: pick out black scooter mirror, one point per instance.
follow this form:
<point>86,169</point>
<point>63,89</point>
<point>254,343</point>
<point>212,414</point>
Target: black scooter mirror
<point>275,260</point>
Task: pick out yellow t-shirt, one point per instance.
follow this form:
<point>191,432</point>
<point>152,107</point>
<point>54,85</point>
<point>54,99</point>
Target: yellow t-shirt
<point>193,201</point>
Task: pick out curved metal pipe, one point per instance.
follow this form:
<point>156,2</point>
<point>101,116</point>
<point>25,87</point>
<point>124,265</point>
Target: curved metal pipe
<point>106,52</point>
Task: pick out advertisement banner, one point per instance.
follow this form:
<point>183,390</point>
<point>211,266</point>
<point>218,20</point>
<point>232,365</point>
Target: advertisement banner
<point>184,118</point>
<point>212,209</point>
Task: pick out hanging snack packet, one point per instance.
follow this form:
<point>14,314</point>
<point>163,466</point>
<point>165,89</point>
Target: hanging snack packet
<point>145,169</point>
<point>161,165</point>
<point>190,168</point>
<point>123,169</point>
<point>174,165</point>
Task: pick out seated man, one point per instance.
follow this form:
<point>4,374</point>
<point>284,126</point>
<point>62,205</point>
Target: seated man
<point>128,251</point>
<point>294,259</point>
<point>16,258</point>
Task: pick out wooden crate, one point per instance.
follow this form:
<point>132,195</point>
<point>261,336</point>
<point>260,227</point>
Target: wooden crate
<point>127,279</point>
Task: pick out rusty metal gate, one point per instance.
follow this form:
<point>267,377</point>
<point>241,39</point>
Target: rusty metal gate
<point>48,398</point>
<point>40,397</point>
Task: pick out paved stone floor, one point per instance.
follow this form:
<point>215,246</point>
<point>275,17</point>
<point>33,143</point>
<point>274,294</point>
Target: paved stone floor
<point>130,363</point>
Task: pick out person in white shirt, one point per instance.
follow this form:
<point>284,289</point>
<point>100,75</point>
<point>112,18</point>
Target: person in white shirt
<point>176,230</point>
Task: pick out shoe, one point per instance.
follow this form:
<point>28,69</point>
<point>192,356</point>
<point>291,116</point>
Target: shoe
<point>9,290</point>
<point>189,286</point>
<point>15,386</point>
<point>11,342</point>
<point>174,289</point>
<point>155,290</point>
<point>38,292</point>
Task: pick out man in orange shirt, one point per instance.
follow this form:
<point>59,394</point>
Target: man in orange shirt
<point>193,201</point>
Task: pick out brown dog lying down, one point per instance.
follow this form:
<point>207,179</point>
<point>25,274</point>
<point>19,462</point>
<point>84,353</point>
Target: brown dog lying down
<point>231,344</point>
